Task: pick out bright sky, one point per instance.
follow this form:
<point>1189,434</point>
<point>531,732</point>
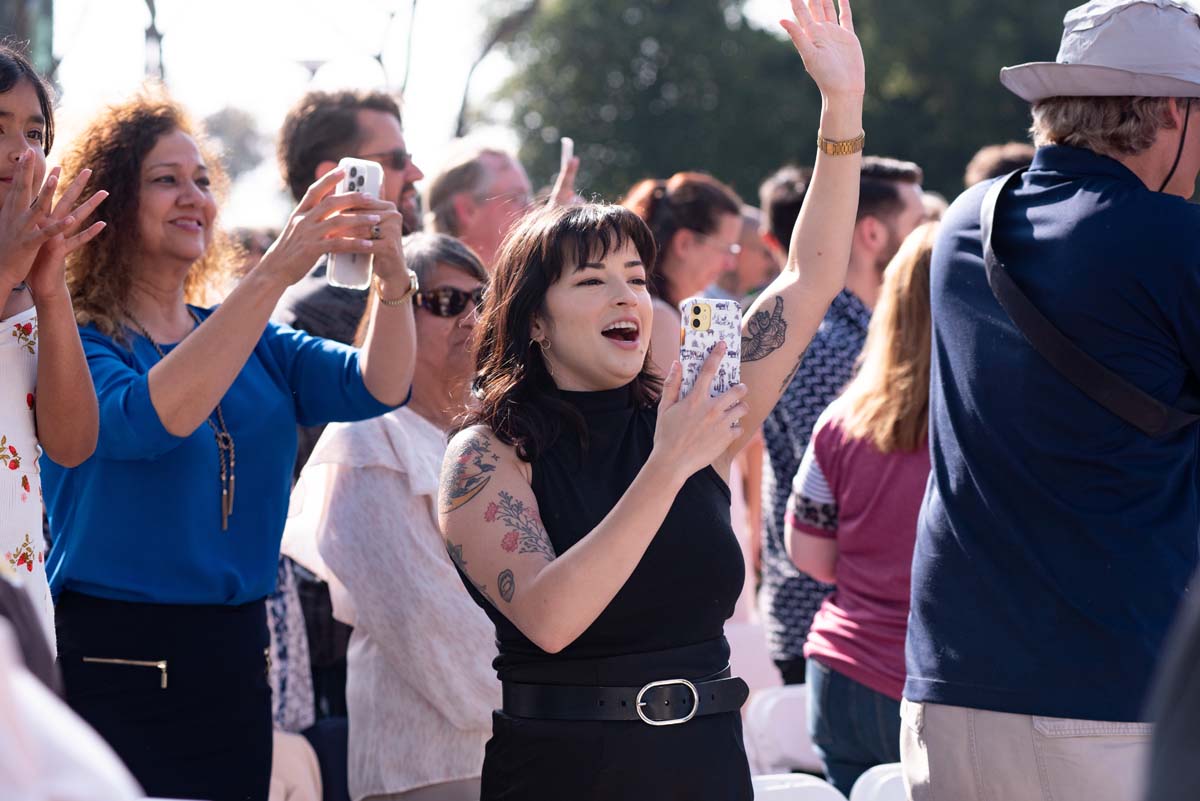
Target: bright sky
<point>251,54</point>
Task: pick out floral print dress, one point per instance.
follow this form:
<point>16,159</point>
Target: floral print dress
<point>21,544</point>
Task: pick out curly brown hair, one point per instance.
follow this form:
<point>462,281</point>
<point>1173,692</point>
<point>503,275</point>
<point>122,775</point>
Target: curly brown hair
<point>114,146</point>
<point>516,396</point>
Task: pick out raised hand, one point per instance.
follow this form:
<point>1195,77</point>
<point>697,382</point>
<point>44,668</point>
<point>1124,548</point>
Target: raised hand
<point>830,50</point>
<point>563,193</point>
<point>48,273</point>
<point>320,224</point>
<point>24,219</point>
<point>694,431</point>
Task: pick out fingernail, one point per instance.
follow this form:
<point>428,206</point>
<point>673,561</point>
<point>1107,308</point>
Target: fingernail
<point>373,218</point>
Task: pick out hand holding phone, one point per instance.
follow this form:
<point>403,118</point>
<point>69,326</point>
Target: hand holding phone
<point>353,270</point>
<point>704,323</point>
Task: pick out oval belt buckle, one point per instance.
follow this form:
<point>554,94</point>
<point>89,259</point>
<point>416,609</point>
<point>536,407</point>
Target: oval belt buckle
<point>670,721</point>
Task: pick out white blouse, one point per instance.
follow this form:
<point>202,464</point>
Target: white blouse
<point>421,687</point>
<point>21,543</point>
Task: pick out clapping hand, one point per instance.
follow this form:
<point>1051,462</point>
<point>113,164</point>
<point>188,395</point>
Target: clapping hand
<point>830,50</point>
<point>48,273</point>
<point>28,222</point>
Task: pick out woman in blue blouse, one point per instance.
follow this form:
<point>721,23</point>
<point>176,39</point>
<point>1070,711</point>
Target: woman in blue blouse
<point>166,540</point>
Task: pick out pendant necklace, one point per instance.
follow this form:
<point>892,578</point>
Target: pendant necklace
<point>226,455</point>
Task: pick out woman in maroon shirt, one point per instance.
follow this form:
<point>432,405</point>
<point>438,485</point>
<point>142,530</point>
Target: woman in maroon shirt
<point>852,521</point>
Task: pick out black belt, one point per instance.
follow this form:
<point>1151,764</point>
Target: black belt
<point>659,703</point>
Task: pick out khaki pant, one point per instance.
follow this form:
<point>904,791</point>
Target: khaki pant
<point>951,753</point>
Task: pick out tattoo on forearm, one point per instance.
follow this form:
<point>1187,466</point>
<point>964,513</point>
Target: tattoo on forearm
<point>765,333</point>
<point>525,534</point>
<point>787,382</point>
<point>469,472</point>
<point>507,585</point>
<point>456,556</point>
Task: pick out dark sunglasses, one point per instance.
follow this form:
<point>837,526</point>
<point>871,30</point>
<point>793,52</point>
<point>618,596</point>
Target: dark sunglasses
<point>397,159</point>
<point>446,301</point>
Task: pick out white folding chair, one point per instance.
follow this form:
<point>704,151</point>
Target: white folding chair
<point>776,731</point>
<point>880,783</point>
<point>794,787</point>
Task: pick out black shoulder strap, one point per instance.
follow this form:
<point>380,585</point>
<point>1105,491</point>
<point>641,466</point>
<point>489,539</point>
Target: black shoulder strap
<point>1102,385</point>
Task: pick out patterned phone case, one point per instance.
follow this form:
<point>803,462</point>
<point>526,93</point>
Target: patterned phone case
<point>704,323</point>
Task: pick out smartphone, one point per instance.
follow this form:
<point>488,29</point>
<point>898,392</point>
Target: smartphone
<point>568,153</point>
<point>353,270</point>
<point>704,323</point>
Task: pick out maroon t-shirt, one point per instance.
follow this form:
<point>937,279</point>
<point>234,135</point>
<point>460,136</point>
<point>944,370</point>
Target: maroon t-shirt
<point>868,502</point>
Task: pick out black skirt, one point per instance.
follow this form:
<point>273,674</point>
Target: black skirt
<point>179,692</point>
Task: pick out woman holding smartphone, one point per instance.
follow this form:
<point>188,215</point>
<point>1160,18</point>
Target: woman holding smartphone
<point>167,539</point>
<point>588,511</point>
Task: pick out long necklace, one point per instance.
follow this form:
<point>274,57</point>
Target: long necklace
<point>226,455</point>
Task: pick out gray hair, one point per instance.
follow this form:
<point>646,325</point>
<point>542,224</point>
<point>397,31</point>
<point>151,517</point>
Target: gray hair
<point>423,252</point>
<point>465,172</point>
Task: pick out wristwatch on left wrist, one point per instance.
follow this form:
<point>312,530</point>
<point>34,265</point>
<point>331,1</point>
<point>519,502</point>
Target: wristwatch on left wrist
<point>413,286</point>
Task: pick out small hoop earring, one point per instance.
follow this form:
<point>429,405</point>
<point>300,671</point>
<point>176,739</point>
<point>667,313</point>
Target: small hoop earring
<point>544,344</point>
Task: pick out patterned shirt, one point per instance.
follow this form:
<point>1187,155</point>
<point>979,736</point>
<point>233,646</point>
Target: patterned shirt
<point>788,598</point>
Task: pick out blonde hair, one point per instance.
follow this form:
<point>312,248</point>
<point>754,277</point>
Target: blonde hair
<point>1110,126</point>
<point>114,146</point>
<point>888,400</point>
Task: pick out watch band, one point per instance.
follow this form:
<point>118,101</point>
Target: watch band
<point>413,286</point>
<point>846,147</point>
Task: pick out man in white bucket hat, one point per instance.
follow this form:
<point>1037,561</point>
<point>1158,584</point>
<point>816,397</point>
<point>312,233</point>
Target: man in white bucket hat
<point>1061,520</point>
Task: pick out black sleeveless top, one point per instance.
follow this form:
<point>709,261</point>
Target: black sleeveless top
<point>668,619</point>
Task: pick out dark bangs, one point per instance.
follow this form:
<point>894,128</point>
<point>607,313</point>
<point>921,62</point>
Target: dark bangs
<point>591,233</point>
<point>517,398</point>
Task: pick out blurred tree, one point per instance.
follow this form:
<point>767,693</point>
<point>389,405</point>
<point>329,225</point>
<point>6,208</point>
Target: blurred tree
<point>933,86</point>
<point>29,24</point>
<point>650,87</point>
<point>654,86</point>
<point>240,140</point>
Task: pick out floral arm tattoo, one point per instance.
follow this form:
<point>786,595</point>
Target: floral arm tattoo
<point>525,534</point>
<point>765,333</point>
<point>469,473</point>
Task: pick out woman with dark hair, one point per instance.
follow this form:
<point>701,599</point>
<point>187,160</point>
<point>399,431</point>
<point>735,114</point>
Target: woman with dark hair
<point>697,224</point>
<point>167,539</point>
<point>588,510</point>
<point>46,396</point>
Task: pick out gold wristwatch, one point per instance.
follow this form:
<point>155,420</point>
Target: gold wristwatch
<point>844,148</point>
<point>413,286</point>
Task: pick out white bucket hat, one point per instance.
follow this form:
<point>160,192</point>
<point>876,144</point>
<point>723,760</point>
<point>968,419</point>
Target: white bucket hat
<point>1113,48</point>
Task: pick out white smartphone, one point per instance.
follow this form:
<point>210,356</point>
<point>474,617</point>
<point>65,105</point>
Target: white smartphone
<point>568,152</point>
<point>353,270</point>
<point>705,322</point>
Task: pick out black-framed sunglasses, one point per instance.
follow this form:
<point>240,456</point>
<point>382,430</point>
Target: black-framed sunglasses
<point>397,159</point>
<point>448,301</point>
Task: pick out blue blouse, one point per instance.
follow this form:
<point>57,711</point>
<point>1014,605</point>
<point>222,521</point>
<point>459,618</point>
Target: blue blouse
<point>141,519</point>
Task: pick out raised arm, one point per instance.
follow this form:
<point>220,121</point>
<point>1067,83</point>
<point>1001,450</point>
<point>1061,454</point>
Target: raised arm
<point>778,327</point>
<point>68,421</point>
<point>494,533</point>
<point>189,382</point>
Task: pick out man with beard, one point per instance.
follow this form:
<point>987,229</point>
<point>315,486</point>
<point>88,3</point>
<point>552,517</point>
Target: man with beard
<point>320,130</point>
<point>889,208</point>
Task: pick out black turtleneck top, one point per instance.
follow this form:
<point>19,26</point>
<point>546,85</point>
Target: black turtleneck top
<point>668,619</point>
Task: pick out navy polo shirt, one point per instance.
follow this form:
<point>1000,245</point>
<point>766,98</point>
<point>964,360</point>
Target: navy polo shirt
<point>1055,540</point>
